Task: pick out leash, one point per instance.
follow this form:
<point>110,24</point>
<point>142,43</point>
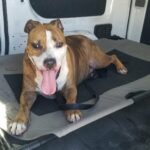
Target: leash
<point>82,106</point>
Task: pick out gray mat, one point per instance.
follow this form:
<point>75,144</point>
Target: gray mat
<point>106,80</point>
<point>55,122</point>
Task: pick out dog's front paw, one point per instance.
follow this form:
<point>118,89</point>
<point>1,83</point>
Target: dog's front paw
<point>73,115</point>
<point>122,70</point>
<point>17,127</point>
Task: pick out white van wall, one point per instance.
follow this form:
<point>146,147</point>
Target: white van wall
<point>136,21</point>
<point>18,12</point>
<point>2,36</point>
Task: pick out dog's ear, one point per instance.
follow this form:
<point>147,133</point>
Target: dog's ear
<point>30,25</point>
<point>58,24</point>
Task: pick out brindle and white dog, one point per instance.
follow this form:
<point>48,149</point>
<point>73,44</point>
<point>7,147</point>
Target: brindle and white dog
<point>48,52</point>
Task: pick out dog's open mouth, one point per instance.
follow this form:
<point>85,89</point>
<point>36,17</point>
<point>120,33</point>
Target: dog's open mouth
<point>49,85</point>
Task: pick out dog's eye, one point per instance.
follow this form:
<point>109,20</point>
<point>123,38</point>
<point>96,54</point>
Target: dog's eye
<point>37,45</point>
<point>59,44</point>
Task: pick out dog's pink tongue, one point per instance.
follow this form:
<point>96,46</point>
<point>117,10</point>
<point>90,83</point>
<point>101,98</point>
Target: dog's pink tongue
<point>48,86</point>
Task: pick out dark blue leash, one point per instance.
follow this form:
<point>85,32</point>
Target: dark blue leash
<point>81,106</point>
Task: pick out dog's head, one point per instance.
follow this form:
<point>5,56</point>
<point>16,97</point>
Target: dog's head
<point>46,46</point>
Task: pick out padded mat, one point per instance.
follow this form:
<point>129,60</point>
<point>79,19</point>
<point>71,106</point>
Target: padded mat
<point>137,68</point>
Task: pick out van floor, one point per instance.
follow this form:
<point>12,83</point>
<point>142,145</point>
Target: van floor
<point>127,129</point>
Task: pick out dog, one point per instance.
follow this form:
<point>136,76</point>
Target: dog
<point>53,62</point>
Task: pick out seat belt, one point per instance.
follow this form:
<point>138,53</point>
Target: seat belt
<point>138,95</point>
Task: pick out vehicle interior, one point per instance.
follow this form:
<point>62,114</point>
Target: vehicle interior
<point>119,118</point>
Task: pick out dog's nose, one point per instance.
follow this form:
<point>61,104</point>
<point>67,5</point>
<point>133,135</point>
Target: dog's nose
<point>49,62</point>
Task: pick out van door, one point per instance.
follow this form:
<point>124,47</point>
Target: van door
<point>145,38</point>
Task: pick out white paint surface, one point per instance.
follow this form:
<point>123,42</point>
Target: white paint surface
<point>116,12</point>
<point>136,21</point>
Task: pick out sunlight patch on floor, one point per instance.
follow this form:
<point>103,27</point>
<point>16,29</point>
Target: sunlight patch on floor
<point>3,116</point>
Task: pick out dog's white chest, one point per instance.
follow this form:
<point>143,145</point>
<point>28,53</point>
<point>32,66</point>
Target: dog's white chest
<point>62,78</point>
